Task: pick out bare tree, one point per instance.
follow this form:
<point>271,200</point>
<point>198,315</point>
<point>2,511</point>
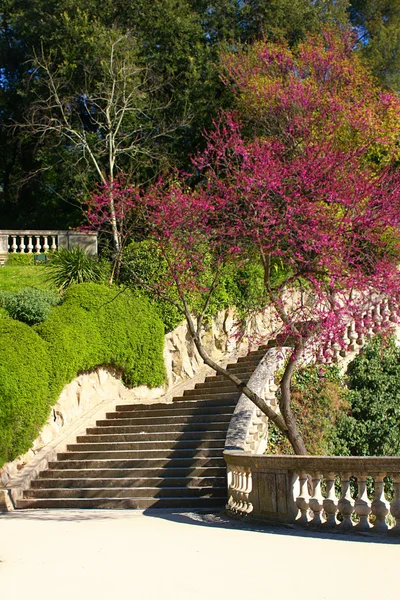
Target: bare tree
<point>110,121</point>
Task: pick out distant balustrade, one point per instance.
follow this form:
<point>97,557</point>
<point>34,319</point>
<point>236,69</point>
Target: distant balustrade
<point>349,494</point>
<point>44,241</point>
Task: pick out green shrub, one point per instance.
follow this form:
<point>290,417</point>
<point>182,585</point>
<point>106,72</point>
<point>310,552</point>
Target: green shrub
<point>318,401</point>
<point>372,425</point>
<point>100,325</point>
<point>29,305</point>
<point>242,288</point>
<point>24,387</point>
<point>67,267</point>
<point>19,259</point>
<point>96,325</point>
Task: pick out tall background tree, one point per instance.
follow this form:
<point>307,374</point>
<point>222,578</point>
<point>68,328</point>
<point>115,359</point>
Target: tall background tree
<point>180,42</point>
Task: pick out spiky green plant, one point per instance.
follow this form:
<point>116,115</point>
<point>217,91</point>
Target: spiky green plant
<point>68,266</point>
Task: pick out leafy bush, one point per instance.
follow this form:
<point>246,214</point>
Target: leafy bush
<point>318,401</point>
<point>372,425</point>
<point>75,266</point>
<point>24,387</point>
<point>29,305</point>
<point>101,325</point>
<point>242,288</point>
<point>19,259</point>
<point>96,325</point>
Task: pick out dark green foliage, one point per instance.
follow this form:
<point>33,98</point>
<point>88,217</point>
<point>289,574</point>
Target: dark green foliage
<point>75,266</point>
<point>100,325</point>
<point>29,305</point>
<point>24,387</point>
<point>318,401</point>
<point>377,24</point>
<point>19,260</point>
<point>372,427</point>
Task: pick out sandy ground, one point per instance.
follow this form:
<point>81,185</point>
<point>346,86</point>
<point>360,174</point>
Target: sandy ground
<point>100,555</point>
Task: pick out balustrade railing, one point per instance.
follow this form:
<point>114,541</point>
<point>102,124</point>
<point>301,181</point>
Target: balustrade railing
<point>248,429</point>
<point>349,494</point>
<point>44,241</point>
<point>356,334</point>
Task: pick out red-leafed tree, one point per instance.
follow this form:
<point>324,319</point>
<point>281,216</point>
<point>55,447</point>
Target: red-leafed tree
<point>302,175</point>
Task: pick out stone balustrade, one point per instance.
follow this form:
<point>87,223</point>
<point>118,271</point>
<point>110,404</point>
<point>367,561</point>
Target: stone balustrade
<point>31,241</point>
<point>348,494</point>
<point>248,429</point>
<point>356,334</point>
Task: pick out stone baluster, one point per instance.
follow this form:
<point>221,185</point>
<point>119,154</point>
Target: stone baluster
<point>370,324</point>
<point>352,336</point>
<point>247,488</point>
<point>346,342</point>
<point>232,477</point>
<point>385,312</point>
<point>38,245</point>
<point>330,502</point>
<point>22,244</point>
<point>53,246</point>
<point>30,245</point>
<point>395,505</point>
<point>345,504</point>
<point>377,317</point>
<point>393,308</point>
<point>362,505</point>
<point>316,501</point>
<point>336,352</point>
<point>302,500</point>
<point>360,329</point>
<point>45,244</point>
<point>14,244</point>
<point>380,506</point>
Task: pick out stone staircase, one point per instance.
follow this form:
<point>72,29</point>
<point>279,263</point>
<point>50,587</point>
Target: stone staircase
<point>149,456</point>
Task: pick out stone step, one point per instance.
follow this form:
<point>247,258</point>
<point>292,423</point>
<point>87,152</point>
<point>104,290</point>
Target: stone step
<point>152,437</point>
<point>171,446</point>
<point>254,357</point>
<point>119,482</point>
<point>243,376</point>
<point>139,454</point>
<point>179,428</point>
<point>123,463</point>
<point>244,370</point>
<point>134,473</point>
<point>222,384</point>
<point>214,393</point>
<point>132,503</point>
<point>173,411</point>
<point>198,418</point>
<point>179,401</point>
<point>125,492</point>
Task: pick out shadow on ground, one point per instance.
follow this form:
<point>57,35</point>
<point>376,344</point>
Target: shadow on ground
<point>208,519</point>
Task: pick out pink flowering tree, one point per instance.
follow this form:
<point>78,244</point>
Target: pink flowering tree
<point>291,179</point>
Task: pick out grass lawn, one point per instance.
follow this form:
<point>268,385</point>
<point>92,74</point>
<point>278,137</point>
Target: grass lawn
<point>13,278</point>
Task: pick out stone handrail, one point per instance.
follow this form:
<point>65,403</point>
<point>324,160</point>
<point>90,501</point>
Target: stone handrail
<point>36,241</point>
<point>248,429</point>
<point>301,490</point>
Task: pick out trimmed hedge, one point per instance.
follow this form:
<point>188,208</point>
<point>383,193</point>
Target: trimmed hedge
<point>99,325</point>
<point>96,325</point>
<point>19,259</point>
<point>24,387</point>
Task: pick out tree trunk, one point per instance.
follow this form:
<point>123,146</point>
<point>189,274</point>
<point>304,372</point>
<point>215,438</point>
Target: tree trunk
<point>294,434</point>
<point>258,401</point>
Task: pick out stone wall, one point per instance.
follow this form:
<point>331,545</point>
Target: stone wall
<point>182,363</point>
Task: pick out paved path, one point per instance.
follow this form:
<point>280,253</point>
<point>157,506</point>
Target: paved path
<point>96,555</point>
